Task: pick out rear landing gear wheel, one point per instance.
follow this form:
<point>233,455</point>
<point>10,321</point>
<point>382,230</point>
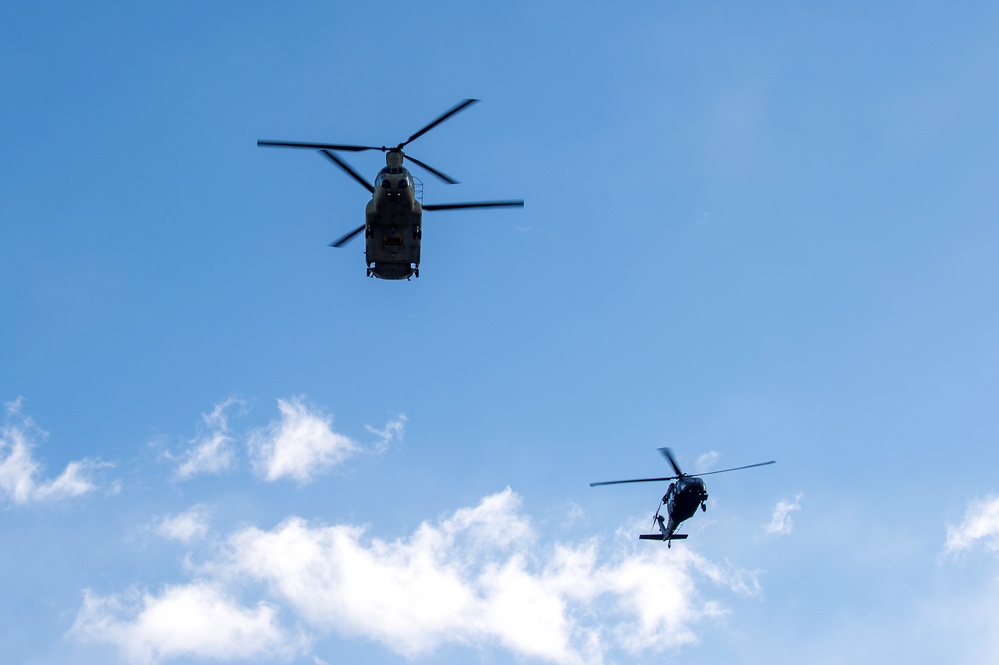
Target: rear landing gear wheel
<point>704,507</point>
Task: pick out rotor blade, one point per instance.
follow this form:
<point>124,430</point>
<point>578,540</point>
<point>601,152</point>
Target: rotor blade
<point>652,480</point>
<point>748,466</point>
<point>316,146</point>
<point>637,480</point>
<point>668,454</point>
<point>447,114</point>
<point>483,204</point>
<point>342,240</point>
<point>351,172</point>
<point>443,176</point>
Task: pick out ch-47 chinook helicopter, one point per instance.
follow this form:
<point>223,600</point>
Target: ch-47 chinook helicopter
<point>681,498</point>
<point>394,215</point>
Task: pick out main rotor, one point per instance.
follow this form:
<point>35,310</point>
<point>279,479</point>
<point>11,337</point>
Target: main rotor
<point>461,106</point>
<point>668,454</point>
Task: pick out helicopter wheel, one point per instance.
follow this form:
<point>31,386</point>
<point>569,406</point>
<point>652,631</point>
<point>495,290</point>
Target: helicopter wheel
<point>669,544</point>
<point>704,507</point>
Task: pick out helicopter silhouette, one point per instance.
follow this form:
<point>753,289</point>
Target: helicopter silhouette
<point>393,226</point>
<point>682,498</point>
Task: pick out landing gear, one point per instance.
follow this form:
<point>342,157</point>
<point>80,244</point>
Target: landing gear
<point>704,507</point>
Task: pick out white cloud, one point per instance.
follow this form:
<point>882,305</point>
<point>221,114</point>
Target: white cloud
<point>213,450</point>
<point>193,620</point>
<point>780,521</point>
<point>300,445</point>
<point>981,522</point>
<point>392,432</point>
<point>479,577</point>
<point>19,470</point>
<point>188,526</point>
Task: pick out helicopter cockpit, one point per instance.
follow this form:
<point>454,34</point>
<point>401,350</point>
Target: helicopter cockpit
<point>394,178</point>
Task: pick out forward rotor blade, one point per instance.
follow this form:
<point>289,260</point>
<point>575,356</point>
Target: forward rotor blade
<point>342,240</point>
<point>316,146</point>
<point>447,114</point>
<point>668,454</point>
<point>637,480</point>
<point>350,171</point>
<point>443,176</point>
<point>748,466</point>
<point>483,204</point>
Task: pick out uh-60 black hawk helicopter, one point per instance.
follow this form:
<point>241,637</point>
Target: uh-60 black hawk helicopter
<point>681,499</point>
<point>394,215</point>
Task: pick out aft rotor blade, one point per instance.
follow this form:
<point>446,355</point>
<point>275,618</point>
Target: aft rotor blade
<point>317,146</point>
<point>339,242</point>
<point>748,466</point>
<point>443,176</point>
<point>350,171</point>
<point>483,204</point>
<point>447,114</point>
<point>637,480</point>
<point>668,454</point>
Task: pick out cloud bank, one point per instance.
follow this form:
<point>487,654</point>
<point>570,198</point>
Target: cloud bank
<point>478,577</point>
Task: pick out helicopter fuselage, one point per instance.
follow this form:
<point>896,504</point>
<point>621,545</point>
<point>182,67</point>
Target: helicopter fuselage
<point>393,224</point>
<point>681,500</point>
<point>683,497</point>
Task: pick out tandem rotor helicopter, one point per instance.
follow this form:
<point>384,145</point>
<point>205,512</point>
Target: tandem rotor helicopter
<point>394,215</point>
<point>681,498</point>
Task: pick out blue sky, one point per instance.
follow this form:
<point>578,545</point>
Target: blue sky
<point>750,233</point>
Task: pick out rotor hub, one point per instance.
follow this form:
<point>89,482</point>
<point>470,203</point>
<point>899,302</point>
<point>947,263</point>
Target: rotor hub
<point>393,158</point>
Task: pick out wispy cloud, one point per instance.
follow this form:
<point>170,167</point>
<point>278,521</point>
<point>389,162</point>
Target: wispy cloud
<point>780,521</point>
<point>212,451</point>
<point>479,577</point>
<point>981,523</point>
<point>19,471</point>
<point>391,433</point>
<point>300,445</point>
<point>185,527</point>
<point>706,461</point>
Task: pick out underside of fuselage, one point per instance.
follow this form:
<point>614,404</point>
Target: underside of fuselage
<point>393,234</point>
